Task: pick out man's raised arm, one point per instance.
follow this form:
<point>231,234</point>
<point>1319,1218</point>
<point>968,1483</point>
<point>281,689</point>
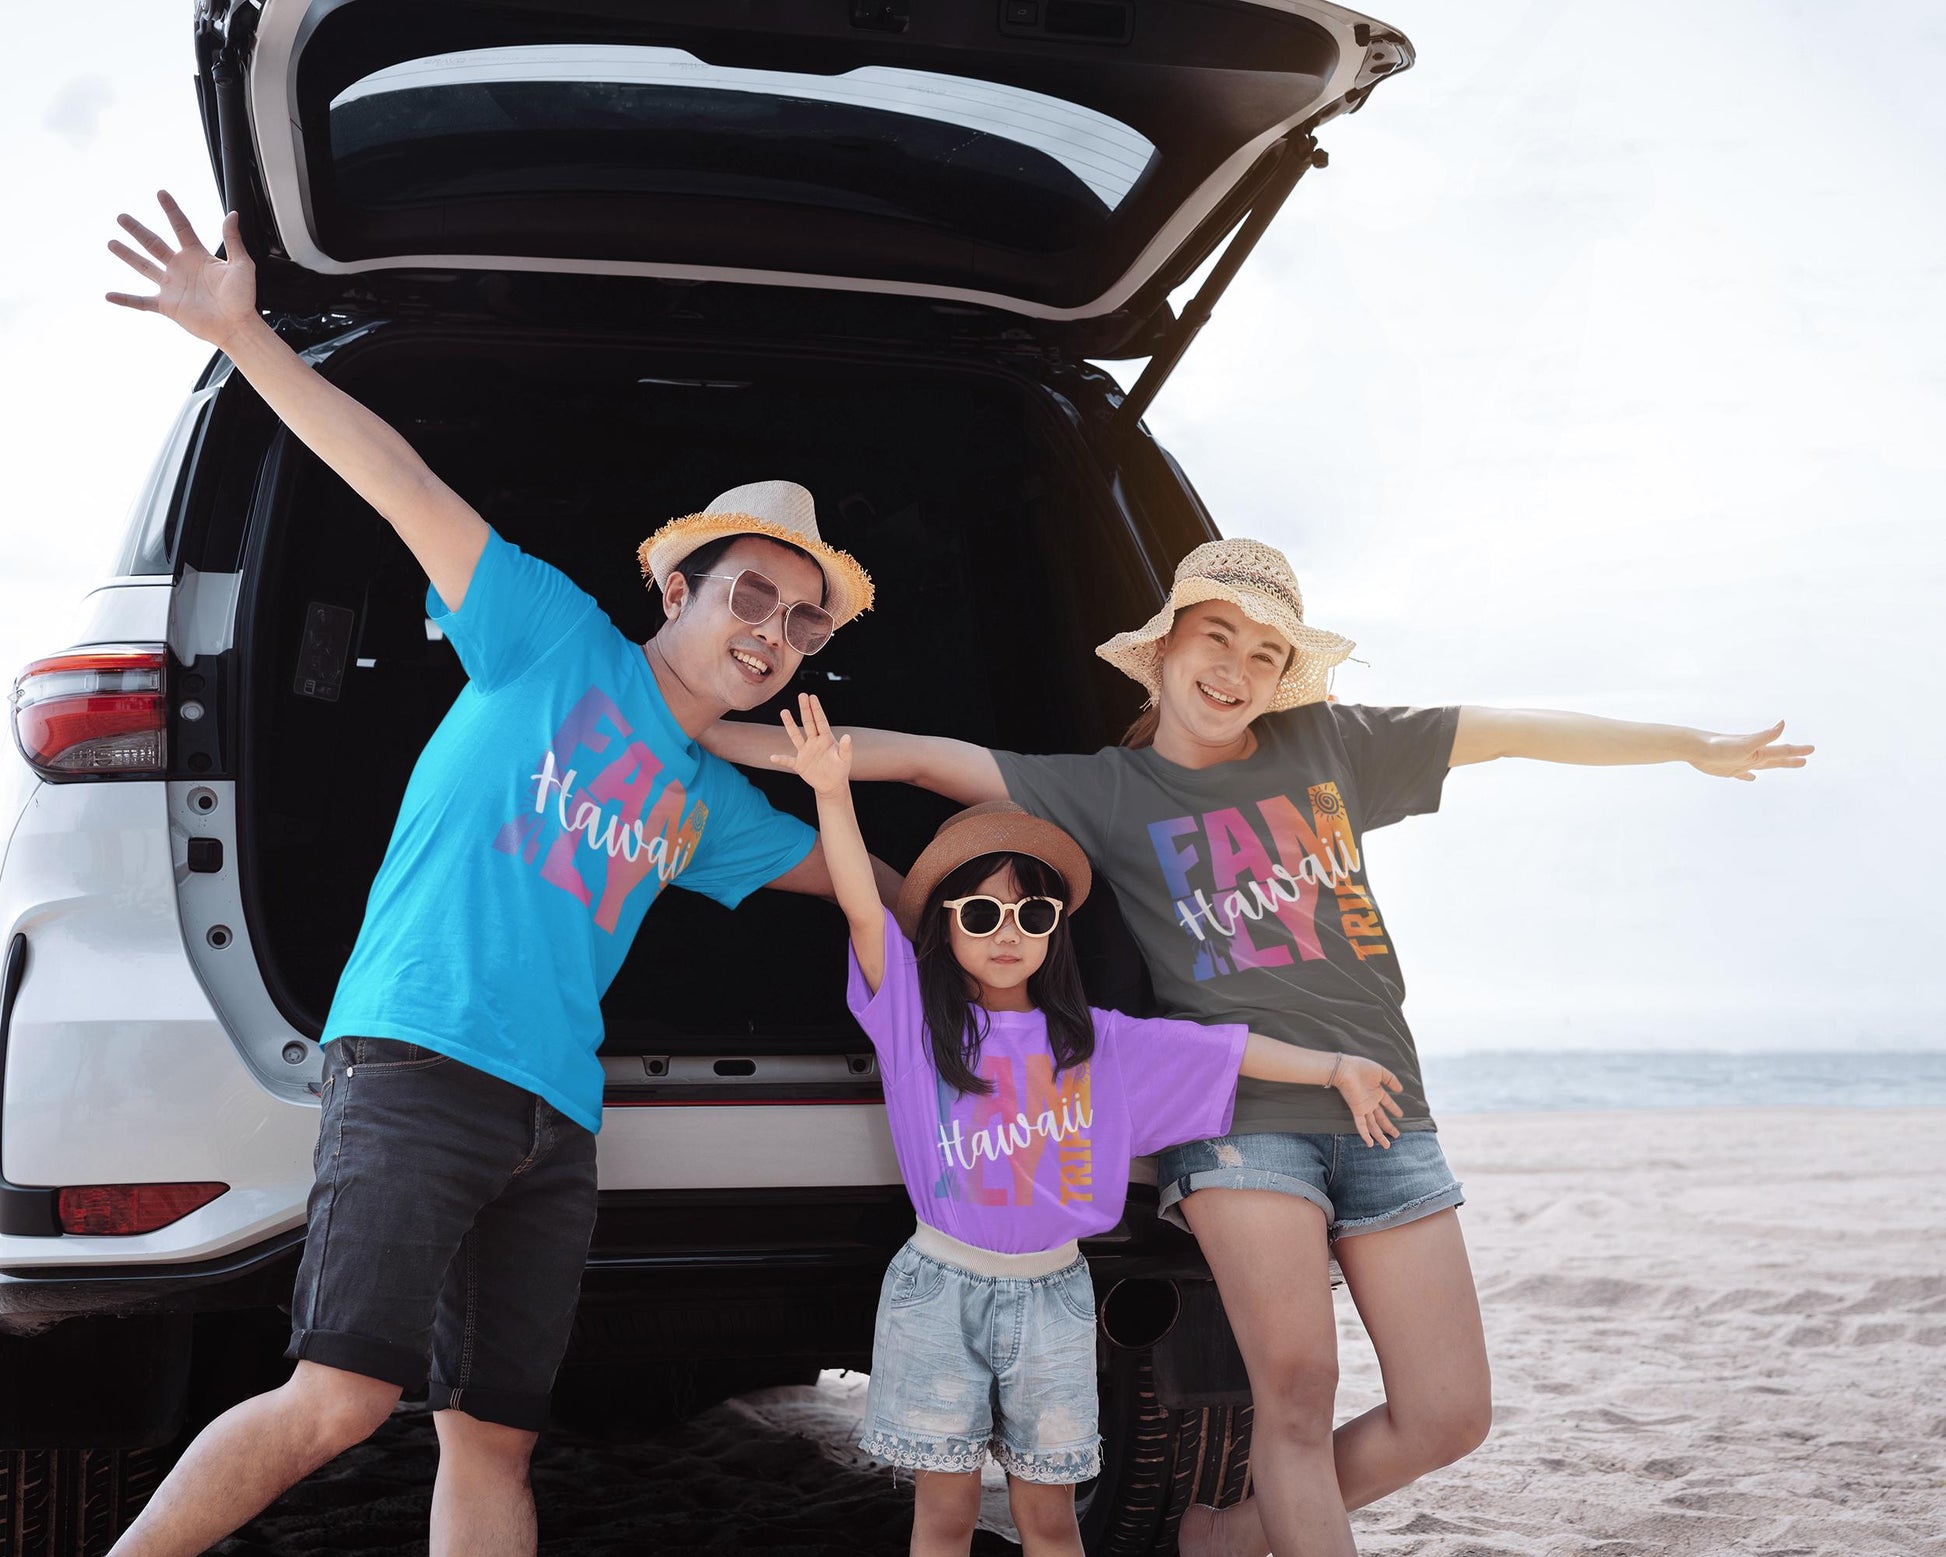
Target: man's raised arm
<point>215,300</point>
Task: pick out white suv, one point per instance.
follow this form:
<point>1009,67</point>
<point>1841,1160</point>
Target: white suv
<point>598,262</point>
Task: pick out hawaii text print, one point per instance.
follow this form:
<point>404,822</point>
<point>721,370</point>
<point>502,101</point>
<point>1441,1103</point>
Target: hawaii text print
<point>604,838</point>
<point>1030,1128</point>
<point>1263,874</point>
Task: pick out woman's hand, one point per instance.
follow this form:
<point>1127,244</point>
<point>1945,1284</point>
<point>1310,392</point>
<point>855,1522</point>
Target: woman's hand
<point>816,757</point>
<point>211,298</point>
<point>1745,756</point>
<point>1364,1085</point>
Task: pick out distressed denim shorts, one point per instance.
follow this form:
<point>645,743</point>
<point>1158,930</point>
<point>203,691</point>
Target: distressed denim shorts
<point>1360,1188</point>
<point>448,1229</point>
<point>964,1364</point>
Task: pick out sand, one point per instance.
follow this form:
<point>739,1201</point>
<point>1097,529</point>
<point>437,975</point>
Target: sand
<point>1712,1331</point>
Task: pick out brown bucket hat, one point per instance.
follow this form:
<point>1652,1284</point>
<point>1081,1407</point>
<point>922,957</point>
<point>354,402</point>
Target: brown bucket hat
<point>995,827</point>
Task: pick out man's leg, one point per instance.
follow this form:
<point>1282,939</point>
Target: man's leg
<point>252,1454</point>
<point>505,1313</point>
<point>482,1500</point>
<point>407,1151</point>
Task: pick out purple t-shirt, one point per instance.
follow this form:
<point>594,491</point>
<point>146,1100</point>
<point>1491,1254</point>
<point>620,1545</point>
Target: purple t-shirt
<point>1041,1159</point>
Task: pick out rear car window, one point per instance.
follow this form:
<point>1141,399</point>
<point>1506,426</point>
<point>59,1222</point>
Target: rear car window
<point>986,160</point>
<point>155,520</point>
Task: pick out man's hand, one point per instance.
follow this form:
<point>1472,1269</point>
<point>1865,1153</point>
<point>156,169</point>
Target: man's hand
<point>816,757</point>
<point>211,298</point>
<point>216,301</point>
<point>1745,756</point>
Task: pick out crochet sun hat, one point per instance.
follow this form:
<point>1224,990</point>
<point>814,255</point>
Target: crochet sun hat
<point>1258,581</point>
<point>778,511</point>
<point>994,827</point>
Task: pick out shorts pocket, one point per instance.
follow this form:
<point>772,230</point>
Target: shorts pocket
<point>1077,1294</point>
<point>914,1280</point>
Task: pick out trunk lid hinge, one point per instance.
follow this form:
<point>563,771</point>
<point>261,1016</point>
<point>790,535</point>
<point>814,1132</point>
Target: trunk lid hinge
<point>1299,157</point>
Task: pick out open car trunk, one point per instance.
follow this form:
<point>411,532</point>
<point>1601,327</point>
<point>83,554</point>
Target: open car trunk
<point>1065,163</point>
<point>999,566</point>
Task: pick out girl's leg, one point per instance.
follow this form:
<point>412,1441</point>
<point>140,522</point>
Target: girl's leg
<point>945,1509</point>
<point>1271,1260</point>
<point>1414,1290</point>
<point>1044,1516</point>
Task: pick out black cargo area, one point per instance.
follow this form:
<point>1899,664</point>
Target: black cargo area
<point>962,490</point>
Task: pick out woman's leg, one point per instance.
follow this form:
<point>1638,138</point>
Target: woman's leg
<point>1414,1291</point>
<point>1270,1258</point>
<point>1044,1516</point>
<point>945,1509</point>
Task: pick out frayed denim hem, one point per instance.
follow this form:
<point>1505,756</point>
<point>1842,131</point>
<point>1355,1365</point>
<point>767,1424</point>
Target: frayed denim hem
<point>1170,1209</point>
<point>1412,1211</point>
<point>1061,1468</point>
<point>937,1454</point>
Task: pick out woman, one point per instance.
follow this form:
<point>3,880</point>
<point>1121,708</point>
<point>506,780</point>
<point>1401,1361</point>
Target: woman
<point>1230,823</point>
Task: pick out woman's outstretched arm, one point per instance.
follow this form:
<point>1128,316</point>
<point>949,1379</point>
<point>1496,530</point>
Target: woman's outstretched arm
<point>1546,736</point>
<point>958,770</point>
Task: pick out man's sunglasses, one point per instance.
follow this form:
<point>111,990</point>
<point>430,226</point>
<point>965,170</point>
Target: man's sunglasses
<point>754,599</point>
<point>981,916</point>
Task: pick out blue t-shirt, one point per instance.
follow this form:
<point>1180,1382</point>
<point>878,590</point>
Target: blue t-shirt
<point>554,802</point>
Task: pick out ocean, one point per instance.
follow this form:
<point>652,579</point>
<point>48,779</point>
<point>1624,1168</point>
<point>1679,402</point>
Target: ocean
<point>1512,1081</point>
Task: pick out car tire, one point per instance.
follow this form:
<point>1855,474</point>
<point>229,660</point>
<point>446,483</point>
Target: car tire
<point>1156,1461</point>
<point>72,1502</point>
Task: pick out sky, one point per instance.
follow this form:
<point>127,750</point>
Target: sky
<point>1604,368</point>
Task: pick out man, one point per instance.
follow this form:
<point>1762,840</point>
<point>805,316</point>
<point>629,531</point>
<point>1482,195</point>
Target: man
<point>455,1189</point>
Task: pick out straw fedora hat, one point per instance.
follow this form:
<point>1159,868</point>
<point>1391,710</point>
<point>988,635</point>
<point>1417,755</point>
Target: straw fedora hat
<point>994,827</point>
<point>1257,580</point>
<point>777,510</point>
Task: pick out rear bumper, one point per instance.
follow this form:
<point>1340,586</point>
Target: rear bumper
<point>713,1272</point>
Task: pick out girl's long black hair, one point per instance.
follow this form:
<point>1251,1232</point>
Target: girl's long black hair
<point>956,1022</point>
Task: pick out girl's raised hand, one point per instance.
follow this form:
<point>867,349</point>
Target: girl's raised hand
<point>1364,1085</point>
<point>211,298</point>
<point>816,757</point>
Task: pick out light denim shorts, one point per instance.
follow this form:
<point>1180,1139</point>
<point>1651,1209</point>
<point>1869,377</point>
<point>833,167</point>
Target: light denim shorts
<point>965,1364</point>
<point>1361,1189</point>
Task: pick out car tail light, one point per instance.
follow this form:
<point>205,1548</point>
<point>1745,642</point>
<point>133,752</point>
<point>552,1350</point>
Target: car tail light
<point>116,1210</point>
<point>93,713</point>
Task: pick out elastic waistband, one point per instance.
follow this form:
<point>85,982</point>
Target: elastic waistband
<point>934,1244</point>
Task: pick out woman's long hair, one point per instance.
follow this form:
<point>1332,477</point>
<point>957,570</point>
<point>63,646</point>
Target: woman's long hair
<point>956,1022</point>
<point>1142,732</point>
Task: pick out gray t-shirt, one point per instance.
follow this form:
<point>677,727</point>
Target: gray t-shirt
<point>1245,887</point>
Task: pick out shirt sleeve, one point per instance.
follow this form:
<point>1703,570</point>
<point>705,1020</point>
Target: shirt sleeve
<point>894,1017</point>
<point>517,611</point>
<point>747,842</point>
<point>1068,790</point>
<point>1179,1078</point>
<point>1399,757</point>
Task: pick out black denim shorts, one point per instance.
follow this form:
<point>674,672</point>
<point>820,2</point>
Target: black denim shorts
<point>448,1228</point>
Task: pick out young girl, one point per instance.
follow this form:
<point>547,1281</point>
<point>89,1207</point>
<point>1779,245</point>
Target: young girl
<point>1014,1109</point>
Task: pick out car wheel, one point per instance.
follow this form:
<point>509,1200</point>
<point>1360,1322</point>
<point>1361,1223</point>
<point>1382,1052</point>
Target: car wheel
<point>72,1502</point>
<point>1156,1461</point>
